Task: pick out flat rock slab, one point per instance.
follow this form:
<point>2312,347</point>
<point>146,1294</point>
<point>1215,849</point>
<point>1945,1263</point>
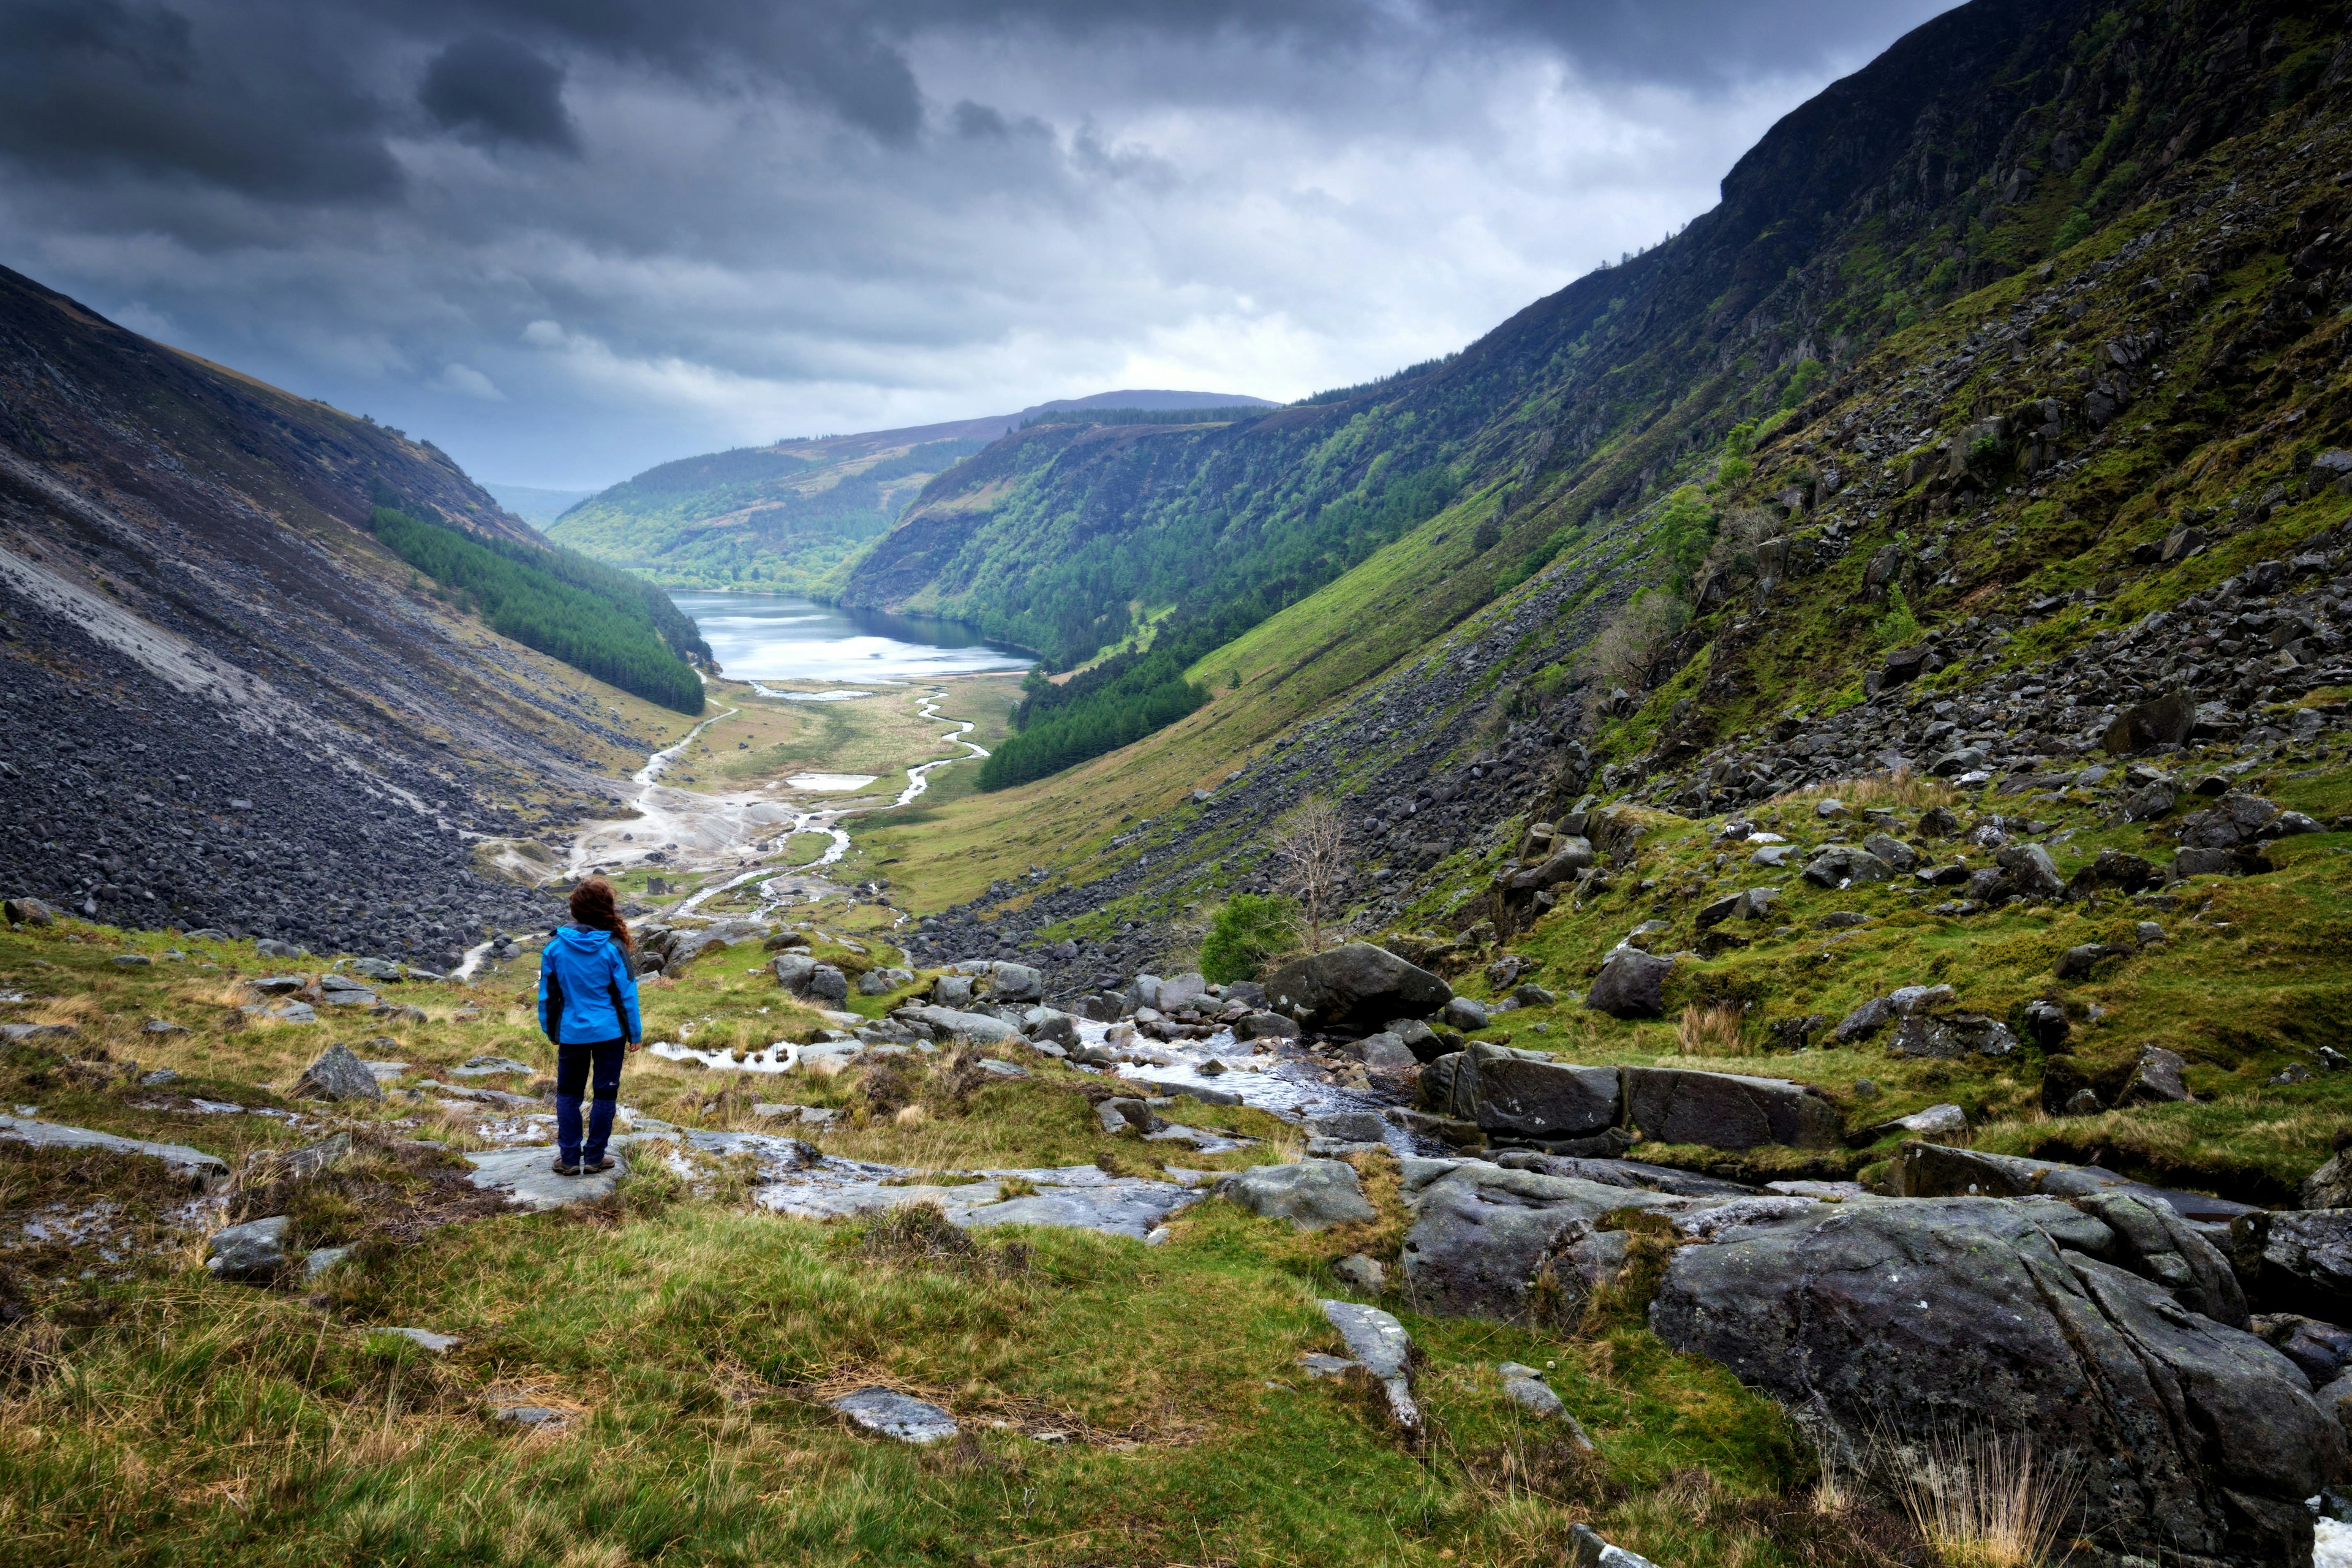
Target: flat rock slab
<point>1311,1195</point>
<point>527,1174</point>
<point>193,1162</point>
<point>896,1414</point>
<point>1080,1197</point>
<point>439,1345</point>
<point>489,1066</point>
<point>1381,1344</point>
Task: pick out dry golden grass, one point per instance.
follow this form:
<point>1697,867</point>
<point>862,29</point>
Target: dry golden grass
<point>1980,1499</point>
<point>1711,1031</point>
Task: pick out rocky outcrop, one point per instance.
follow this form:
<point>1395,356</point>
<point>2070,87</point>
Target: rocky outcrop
<point>1726,1110</point>
<point>1521,1094</point>
<point>2003,1314</point>
<point>1484,1235</point>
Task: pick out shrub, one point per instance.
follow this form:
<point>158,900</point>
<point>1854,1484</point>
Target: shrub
<point>2071,231</point>
<point>1898,627</point>
<point>1246,932</point>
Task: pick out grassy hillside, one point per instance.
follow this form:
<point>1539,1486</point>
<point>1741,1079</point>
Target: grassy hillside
<point>781,518</point>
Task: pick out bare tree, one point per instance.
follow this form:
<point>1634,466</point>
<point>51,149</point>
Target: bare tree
<point>1311,843</point>
<point>1628,648</point>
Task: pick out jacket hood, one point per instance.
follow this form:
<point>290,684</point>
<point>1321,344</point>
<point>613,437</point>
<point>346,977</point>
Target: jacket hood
<point>585,938</point>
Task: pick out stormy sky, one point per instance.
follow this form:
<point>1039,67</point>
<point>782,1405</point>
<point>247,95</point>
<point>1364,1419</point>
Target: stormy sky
<point>565,240</point>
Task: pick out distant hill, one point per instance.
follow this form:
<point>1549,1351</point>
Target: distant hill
<point>790,515</point>
<point>534,505</point>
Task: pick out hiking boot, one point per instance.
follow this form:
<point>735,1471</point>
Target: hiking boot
<point>602,1163</point>
<point>573,1169</point>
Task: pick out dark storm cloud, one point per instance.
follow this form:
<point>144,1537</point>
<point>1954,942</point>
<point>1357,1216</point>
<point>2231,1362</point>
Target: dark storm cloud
<point>90,89</point>
<point>567,238</point>
<point>494,89</point>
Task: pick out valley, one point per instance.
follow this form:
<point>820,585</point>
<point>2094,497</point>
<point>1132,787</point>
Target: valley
<point>1700,929</point>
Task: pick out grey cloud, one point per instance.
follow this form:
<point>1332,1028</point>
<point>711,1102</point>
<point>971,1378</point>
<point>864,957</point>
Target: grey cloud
<point>497,89</point>
<point>89,87</point>
<point>1685,42</point>
<point>792,216</point>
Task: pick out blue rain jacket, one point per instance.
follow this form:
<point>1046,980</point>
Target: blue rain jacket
<point>586,993</point>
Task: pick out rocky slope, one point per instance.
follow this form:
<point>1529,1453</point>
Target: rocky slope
<point>227,705</point>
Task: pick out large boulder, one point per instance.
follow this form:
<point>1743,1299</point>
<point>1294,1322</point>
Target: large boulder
<point>1924,1170</point>
<point>1728,1111</point>
<point>1313,1194</point>
<point>1484,1235</point>
<point>338,1074</point>
<point>1002,981</point>
<point>2000,1315</point>
<point>1356,985</point>
<point>1631,984</point>
<point>1521,1094</point>
<point>2158,722</point>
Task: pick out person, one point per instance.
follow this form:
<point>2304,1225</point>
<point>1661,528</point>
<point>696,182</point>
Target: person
<point>588,1007</point>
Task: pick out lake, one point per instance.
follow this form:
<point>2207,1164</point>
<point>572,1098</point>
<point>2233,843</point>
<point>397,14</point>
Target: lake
<point>777,636</point>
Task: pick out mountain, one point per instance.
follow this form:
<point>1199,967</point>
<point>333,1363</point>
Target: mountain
<point>2016,337</point>
<point>787,518</point>
<point>1984,141</point>
<point>535,505</point>
<point>228,702</point>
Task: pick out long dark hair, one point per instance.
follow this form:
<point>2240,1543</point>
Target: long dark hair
<point>593,906</point>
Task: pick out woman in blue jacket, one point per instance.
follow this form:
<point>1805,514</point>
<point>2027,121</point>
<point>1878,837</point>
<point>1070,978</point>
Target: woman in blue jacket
<point>588,1006</point>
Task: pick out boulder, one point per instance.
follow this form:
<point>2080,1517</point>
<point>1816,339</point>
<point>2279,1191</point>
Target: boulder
<point>1264,1026</point>
<point>1950,1038</point>
<point>1356,985</point>
<point>1519,1094</point>
<point>28,911</point>
<point>1726,1110</point>
<point>1564,862</point>
<point>2155,1078</point>
<point>1631,984</point>
<point>2031,871</point>
<point>2330,1186</point>
<point>1466,1014</point>
<point>1842,865</point>
<point>1935,1171</point>
<point>2000,1315</point>
<point>1422,1041</point>
<point>2158,722</point>
<point>1312,1195</point>
<point>1002,981</point>
<point>882,981</point>
<point>1383,1052</point>
<point>1349,1127</point>
<point>255,1250</point>
<point>2320,1350</point>
<point>1893,850</point>
<point>1748,904</point>
<point>338,1074</point>
<point>950,991</point>
<point>1051,1027</point>
<point>947,1023</point>
<point>2295,1261</point>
